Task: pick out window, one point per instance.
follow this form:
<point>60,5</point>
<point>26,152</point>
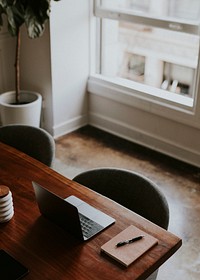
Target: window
<point>150,47</point>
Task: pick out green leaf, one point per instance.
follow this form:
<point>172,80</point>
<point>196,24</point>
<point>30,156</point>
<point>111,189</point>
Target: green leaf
<point>35,29</point>
<point>33,13</point>
<point>36,14</point>
<point>1,12</point>
<point>15,16</point>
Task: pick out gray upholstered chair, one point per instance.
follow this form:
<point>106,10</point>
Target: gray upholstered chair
<point>34,141</point>
<point>130,189</point>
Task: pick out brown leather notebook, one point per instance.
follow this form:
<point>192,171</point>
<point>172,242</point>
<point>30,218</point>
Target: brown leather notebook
<point>130,250</point>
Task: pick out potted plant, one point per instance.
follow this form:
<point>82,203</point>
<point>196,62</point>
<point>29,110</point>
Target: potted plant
<point>33,14</point>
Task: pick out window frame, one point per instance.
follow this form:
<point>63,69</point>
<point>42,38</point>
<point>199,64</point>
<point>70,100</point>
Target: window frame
<point>170,23</point>
<point>135,94</point>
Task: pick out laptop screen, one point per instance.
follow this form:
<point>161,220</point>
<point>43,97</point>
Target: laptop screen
<point>58,210</point>
<point>71,213</point>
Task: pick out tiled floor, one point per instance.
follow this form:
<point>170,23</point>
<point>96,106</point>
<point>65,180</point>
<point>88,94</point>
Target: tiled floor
<point>89,147</point>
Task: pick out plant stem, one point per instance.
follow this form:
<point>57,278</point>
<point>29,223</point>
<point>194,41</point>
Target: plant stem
<point>17,67</point>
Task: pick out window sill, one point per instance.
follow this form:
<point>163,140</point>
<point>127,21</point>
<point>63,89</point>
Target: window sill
<point>175,107</point>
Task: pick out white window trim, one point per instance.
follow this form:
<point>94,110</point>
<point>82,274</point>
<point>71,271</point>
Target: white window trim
<point>187,26</point>
<point>122,91</point>
<point>108,88</point>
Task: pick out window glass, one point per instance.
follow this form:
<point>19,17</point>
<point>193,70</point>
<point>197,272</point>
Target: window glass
<point>162,58</point>
<point>182,9</point>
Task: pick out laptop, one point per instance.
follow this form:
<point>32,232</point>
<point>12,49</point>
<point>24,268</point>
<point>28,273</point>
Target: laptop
<point>72,214</point>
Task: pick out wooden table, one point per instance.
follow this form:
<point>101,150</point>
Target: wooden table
<point>51,253</point>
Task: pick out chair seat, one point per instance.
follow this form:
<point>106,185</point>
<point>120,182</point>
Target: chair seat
<point>132,190</point>
<point>34,141</point>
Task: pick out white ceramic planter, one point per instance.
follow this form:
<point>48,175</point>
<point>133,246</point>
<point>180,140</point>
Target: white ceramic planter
<point>28,114</point>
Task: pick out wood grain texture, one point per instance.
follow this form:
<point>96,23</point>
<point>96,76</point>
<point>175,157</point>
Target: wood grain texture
<point>51,253</point>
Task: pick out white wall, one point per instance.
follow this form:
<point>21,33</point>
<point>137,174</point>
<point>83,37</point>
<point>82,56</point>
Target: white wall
<point>69,38</point>
<point>56,65</point>
<point>36,72</point>
<point>158,133</point>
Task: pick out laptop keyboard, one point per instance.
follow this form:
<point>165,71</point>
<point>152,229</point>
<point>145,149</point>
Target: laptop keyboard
<point>89,227</point>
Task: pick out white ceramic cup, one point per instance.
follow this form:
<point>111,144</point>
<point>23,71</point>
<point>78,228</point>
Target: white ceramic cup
<point>5,198</point>
<point>6,207</point>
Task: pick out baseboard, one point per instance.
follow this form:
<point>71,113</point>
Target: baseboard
<point>69,126</point>
<point>141,137</point>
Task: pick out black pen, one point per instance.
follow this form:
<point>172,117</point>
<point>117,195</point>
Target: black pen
<point>122,243</point>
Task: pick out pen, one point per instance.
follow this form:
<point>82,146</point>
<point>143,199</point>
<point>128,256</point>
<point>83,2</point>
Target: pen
<point>122,243</point>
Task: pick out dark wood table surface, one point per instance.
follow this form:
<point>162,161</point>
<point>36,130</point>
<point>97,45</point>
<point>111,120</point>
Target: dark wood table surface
<point>50,252</point>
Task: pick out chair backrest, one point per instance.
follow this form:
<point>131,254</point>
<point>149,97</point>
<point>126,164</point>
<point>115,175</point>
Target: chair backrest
<point>34,141</point>
<point>129,189</point>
